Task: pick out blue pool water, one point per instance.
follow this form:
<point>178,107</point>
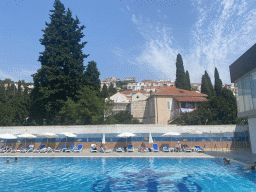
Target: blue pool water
<point>123,174</point>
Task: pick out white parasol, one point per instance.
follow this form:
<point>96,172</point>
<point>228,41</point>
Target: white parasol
<point>171,134</point>
<point>48,135</point>
<point>150,139</point>
<point>103,139</point>
<point>192,131</point>
<point>68,134</point>
<point>125,135</point>
<point>26,135</point>
<point>7,136</point>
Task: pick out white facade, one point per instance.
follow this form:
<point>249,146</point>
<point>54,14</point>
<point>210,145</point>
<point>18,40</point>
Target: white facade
<point>135,86</point>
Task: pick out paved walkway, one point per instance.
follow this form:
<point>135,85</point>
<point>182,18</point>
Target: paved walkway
<point>240,156</point>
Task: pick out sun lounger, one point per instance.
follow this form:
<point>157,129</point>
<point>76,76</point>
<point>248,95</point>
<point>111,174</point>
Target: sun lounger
<point>130,148</point>
<point>119,149</point>
<point>72,147</point>
<point>177,149</point>
<point>9,149</point>
<point>166,148</point>
<point>93,148</point>
<point>20,148</point>
<point>155,147</point>
<point>186,148</point>
<point>29,149</point>
<point>3,149</point>
<point>199,149</point>
<point>42,147</point>
<point>103,150</point>
<point>63,147</point>
<point>79,148</point>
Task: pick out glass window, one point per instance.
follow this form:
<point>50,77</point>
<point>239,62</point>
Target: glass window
<point>240,99</point>
<point>169,105</point>
<point>253,88</point>
<point>247,93</point>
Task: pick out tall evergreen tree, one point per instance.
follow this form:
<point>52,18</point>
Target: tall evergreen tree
<point>218,82</point>
<point>2,93</point>
<point>188,85</point>
<point>112,90</point>
<point>104,91</point>
<point>62,71</point>
<point>180,73</point>
<point>205,86</point>
<point>18,94</point>
<point>92,75</point>
<point>209,82</point>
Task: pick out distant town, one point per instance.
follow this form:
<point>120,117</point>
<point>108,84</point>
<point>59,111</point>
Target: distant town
<point>148,85</point>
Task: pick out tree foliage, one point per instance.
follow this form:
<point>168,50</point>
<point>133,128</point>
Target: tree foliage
<point>180,73</point>
<point>220,109</point>
<point>218,82</point>
<point>104,91</point>
<point>112,90</point>
<point>62,72</point>
<point>187,81</point>
<point>92,75</point>
<point>206,85</point>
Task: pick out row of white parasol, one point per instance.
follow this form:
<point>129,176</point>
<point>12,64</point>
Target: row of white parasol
<point>30,136</point>
<point>71,135</point>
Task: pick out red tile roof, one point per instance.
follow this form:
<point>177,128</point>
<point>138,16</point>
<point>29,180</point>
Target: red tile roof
<point>191,99</point>
<point>157,87</point>
<point>179,92</point>
<point>129,92</point>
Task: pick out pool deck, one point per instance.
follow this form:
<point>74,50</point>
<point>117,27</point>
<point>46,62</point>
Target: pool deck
<point>239,156</point>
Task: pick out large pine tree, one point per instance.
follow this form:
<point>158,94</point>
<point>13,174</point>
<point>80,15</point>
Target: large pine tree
<point>180,73</point>
<point>62,71</point>
<point>218,82</point>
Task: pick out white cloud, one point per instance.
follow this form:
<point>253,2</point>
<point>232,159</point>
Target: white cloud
<point>223,32</point>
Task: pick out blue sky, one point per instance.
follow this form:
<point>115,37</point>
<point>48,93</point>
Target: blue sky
<point>134,38</point>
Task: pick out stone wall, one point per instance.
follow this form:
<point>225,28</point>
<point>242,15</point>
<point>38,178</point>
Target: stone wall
<point>138,109</point>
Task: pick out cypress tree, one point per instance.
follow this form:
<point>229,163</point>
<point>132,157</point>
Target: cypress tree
<point>204,86</point>
<point>188,85</point>
<point>18,94</point>
<point>112,90</point>
<point>104,91</point>
<point>92,75</point>
<point>62,72</point>
<point>180,73</point>
<point>2,93</point>
<point>209,82</point>
<point>218,82</point>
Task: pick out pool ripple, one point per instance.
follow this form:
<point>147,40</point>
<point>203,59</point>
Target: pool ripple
<point>123,174</point>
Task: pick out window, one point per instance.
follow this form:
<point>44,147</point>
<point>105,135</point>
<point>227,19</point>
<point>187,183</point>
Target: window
<point>253,88</point>
<point>169,105</point>
<point>247,94</point>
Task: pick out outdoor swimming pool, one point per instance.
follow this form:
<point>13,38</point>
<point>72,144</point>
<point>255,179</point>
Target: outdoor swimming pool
<point>123,174</point>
